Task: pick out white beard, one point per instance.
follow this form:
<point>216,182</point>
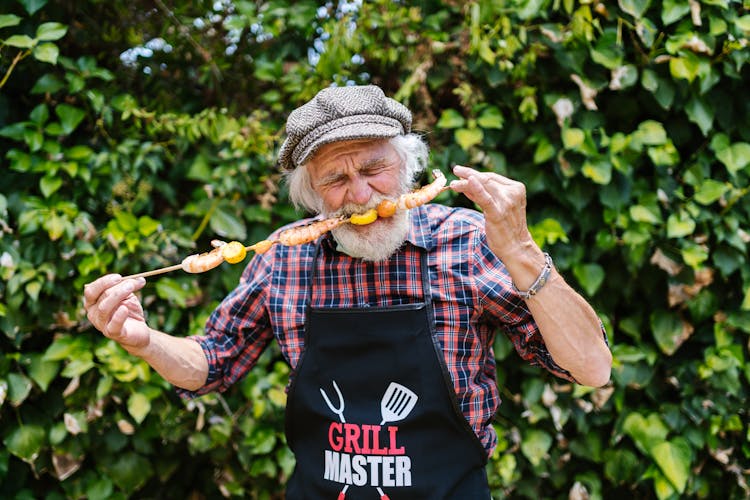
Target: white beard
<point>373,242</point>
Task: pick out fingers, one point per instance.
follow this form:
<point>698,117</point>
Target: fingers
<point>494,193</point>
<point>92,291</point>
<point>476,190</point>
<point>106,299</point>
<point>489,180</point>
<point>115,326</point>
<point>466,173</point>
<point>111,298</point>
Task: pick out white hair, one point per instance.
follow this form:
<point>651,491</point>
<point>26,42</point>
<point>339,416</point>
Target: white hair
<point>412,150</point>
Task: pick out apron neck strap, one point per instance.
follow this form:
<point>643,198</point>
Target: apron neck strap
<point>424,275</point>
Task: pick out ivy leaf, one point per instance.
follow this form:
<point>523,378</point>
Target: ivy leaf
<point>646,432</point>
<point>735,157</point>
<point>42,371</point>
<point>635,8</point>
<point>544,151</point>
<point>491,118</point>
<point>104,386</point>
<point>139,406</point>
<point>78,366</point>
<point>684,67</point>
<point>621,465</point>
<point>651,133</point>
<point>69,116</point>
<point>680,225</point>
<point>170,289</point>
<point>665,155</point>
<point>65,347</point>
<point>743,23</point>
<point>599,170</point>
<point>7,20</point>
<point>25,442</point>
<point>701,114</point>
<point>669,330</point>
<point>39,115</point>
<point>147,225</point>
<point>694,255</point>
<point>673,458</point>
<point>49,184</point>
<point>590,276</point>
<point>46,52</point>
<point>664,95</point>
<point>48,32</point>
<point>674,10</point>
<point>19,388</point>
<point>468,137</point>
<point>530,8</point>
<point>32,6</point>
<point>536,445</point>
<point>227,225</point>
<point>607,51</point>
<point>126,221</point>
<point>647,31</point>
<point>47,83</point>
<point>709,191</point>
<point>745,306</point>
<point>128,470</point>
<point>573,138</point>
<point>649,80</point>
<point>32,289</point>
<point>641,213</point>
<point>200,169</point>
<point>19,41</point>
<point>450,118</point>
<point>548,231</point>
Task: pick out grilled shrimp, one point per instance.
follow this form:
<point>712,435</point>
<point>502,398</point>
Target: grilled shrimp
<point>200,263</point>
<point>424,194</point>
<point>309,232</point>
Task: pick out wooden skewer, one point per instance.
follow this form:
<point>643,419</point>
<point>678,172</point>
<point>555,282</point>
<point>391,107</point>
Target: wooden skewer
<point>175,267</point>
<point>153,272</point>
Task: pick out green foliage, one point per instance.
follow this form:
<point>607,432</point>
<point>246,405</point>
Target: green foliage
<point>133,136</point>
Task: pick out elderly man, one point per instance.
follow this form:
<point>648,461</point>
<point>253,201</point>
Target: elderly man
<point>388,327</point>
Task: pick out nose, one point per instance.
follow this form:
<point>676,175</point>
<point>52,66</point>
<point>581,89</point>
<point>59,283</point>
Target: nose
<point>359,191</point>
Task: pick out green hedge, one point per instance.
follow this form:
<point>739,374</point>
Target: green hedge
<point>132,133</point>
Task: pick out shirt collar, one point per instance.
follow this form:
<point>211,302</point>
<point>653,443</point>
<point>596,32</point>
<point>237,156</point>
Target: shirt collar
<point>420,229</point>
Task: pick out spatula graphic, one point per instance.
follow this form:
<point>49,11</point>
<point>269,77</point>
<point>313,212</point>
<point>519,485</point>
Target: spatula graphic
<point>397,402</point>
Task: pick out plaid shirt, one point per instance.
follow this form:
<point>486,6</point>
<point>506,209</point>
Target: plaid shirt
<point>471,293</point>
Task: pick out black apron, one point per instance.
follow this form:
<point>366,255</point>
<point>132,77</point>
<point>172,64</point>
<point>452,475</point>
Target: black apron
<point>371,411</point>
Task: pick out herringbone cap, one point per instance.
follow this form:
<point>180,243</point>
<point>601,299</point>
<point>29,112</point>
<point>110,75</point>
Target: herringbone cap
<point>341,114</point>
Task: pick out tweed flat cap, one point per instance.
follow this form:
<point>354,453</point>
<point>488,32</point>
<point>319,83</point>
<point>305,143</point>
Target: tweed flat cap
<point>341,114</point>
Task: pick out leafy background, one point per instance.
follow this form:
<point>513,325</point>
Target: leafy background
<point>134,132</point>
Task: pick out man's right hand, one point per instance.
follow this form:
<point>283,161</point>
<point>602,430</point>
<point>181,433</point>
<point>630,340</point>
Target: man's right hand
<point>114,310</point>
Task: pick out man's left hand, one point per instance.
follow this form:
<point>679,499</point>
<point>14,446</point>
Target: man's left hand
<point>503,202</point>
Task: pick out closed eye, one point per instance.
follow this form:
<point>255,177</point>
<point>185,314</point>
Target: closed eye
<point>331,181</point>
<point>373,167</point>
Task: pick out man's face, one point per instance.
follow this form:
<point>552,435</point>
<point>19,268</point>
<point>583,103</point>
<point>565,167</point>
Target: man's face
<point>351,172</point>
<point>352,177</point>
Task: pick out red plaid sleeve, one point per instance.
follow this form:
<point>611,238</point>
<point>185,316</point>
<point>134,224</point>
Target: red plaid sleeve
<point>238,331</point>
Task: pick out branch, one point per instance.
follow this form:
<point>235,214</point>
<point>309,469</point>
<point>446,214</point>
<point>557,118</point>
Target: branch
<point>16,60</point>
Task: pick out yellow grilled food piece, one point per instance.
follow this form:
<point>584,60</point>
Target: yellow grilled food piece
<point>366,218</point>
<point>233,252</point>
